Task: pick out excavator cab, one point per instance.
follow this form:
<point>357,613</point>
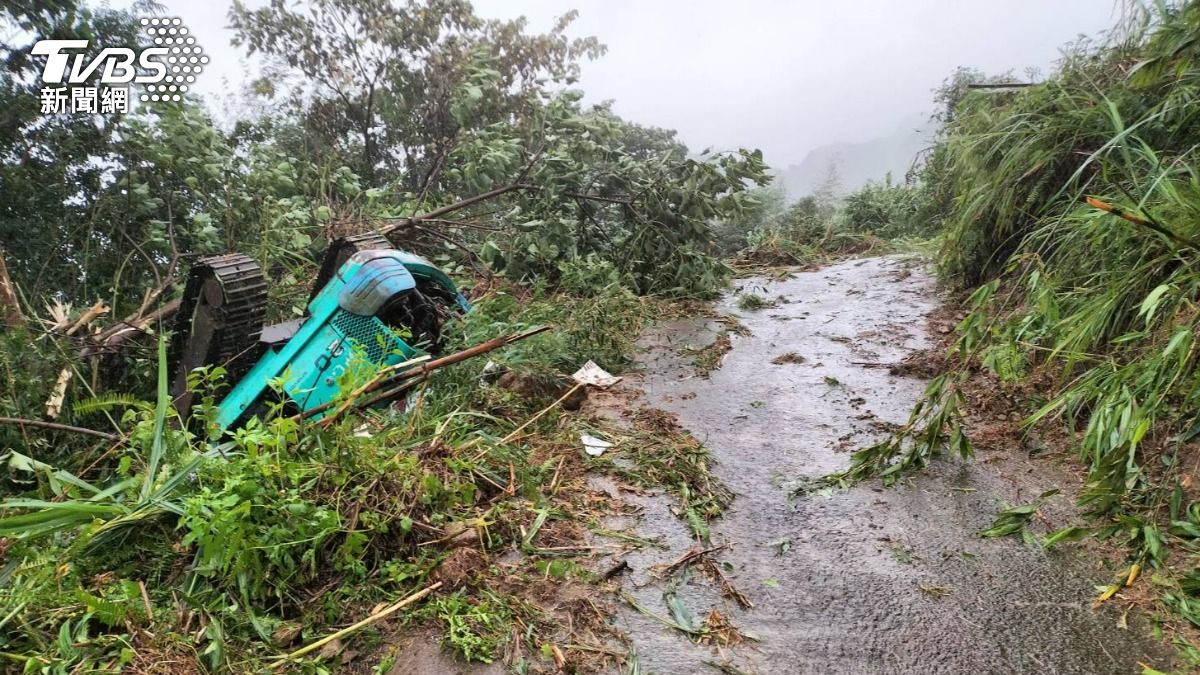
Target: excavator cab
<point>371,307</point>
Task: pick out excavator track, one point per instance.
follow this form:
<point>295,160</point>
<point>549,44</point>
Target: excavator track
<point>219,321</point>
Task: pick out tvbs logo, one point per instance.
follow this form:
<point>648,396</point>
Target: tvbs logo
<point>164,69</point>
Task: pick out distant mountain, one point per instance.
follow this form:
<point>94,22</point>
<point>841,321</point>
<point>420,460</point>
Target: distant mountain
<point>858,163</point>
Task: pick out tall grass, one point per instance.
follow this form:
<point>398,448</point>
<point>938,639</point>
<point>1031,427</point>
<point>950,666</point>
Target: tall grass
<point>103,512</point>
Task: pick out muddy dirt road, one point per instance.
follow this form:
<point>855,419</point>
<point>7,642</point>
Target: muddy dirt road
<point>868,580</point>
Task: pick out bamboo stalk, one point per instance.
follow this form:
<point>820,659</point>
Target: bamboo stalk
<point>1145,222</point>
<point>543,411</point>
<point>381,614</point>
<point>424,369</point>
<point>381,375</point>
<point>389,394</point>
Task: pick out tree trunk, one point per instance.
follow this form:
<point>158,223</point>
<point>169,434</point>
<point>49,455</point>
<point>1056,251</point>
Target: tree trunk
<point>10,310</point>
<point>368,139</point>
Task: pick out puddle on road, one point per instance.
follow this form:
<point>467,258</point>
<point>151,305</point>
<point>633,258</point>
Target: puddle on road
<point>863,581</point>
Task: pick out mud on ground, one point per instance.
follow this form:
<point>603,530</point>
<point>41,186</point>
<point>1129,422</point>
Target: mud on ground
<point>866,580</point>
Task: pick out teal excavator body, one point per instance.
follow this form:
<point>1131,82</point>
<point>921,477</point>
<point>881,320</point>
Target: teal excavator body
<point>371,307</point>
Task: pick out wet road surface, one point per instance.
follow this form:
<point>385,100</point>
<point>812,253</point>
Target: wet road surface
<point>867,580</point>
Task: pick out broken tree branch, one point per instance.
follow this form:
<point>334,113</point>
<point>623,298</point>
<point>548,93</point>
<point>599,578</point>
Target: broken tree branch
<point>463,223</point>
<point>54,404</point>
<point>624,201</point>
<point>9,308</point>
<point>688,558</point>
<point>727,588</point>
<point>452,241</point>
<point>381,614</point>
<point>451,208</point>
<point>1003,85</point>
<point>431,176</point>
<point>91,314</point>
<point>112,337</point>
<point>438,213</point>
<point>17,421</point>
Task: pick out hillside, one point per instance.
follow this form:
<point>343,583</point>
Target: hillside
<point>859,163</point>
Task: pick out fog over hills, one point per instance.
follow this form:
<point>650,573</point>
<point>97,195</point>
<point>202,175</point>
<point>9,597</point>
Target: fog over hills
<point>858,163</point>
<point>788,76</point>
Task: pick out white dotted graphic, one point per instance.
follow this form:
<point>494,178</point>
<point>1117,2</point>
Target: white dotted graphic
<point>186,58</point>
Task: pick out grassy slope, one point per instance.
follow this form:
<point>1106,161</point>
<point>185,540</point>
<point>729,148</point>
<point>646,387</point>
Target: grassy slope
<point>231,562</point>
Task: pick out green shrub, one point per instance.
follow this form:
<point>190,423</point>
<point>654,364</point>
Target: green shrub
<point>888,211</point>
<point>588,276</point>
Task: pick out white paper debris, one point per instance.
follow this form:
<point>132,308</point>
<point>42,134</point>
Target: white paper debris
<point>592,445</point>
<point>594,375</point>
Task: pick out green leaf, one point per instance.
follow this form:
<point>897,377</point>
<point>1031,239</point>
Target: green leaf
<point>1072,533</point>
<point>157,446</point>
<point>681,614</point>
<point>1152,300</point>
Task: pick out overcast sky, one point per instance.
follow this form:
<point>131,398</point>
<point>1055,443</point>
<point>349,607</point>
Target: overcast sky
<point>781,75</point>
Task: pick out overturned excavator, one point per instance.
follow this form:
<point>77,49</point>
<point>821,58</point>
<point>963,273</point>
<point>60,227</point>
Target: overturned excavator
<point>371,306</point>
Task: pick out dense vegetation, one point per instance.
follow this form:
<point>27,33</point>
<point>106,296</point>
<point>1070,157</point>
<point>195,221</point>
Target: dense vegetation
<point>145,549</point>
<point>878,216</point>
<point>141,549</point>
<point>1070,215</point>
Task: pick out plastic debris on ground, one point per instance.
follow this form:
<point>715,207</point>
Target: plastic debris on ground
<point>595,376</point>
<point>594,446</point>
